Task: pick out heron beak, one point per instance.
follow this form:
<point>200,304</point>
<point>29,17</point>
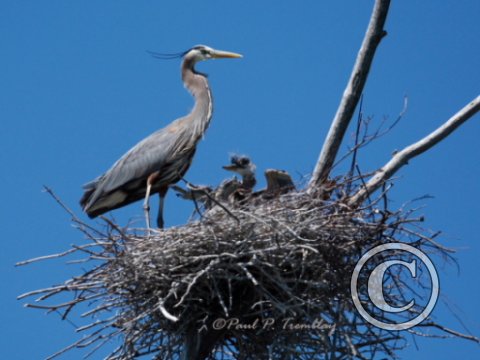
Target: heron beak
<point>219,54</point>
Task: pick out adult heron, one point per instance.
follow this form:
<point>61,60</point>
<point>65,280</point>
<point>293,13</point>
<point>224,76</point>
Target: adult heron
<point>162,158</point>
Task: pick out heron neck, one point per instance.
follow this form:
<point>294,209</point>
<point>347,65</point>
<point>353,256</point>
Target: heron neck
<point>249,181</point>
<point>197,85</point>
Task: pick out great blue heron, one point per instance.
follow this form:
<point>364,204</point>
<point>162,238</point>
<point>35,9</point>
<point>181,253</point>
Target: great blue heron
<point>239,164</point>
<point>243,166</point>
<point>278,182</point>
<point>226,189</point>
<point>162,158</point>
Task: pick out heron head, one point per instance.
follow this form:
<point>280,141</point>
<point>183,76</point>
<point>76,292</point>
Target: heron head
<point>241,165</point>
<point>203,52</point>
<point>197,53</point>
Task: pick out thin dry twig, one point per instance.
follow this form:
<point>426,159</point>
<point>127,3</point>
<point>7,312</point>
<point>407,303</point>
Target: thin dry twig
<point>402,157</point>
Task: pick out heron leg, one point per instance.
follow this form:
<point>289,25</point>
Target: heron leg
<point>162,193</point>
<point>146,204</point>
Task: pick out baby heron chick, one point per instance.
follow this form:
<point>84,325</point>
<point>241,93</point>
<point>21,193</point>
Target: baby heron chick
<point>240,190</point>
<point>243,166</point>
<point>278,182</point>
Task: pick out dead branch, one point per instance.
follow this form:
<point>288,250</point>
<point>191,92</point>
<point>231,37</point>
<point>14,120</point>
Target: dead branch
<point>352,93</point>
<point>402,157</point>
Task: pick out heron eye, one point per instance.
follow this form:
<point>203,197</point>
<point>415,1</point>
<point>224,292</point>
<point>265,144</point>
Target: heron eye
<point>204,52</point>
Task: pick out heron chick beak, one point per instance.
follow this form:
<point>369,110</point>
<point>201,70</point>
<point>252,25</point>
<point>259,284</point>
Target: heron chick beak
<point>230,167</point>
<point>219,54</point>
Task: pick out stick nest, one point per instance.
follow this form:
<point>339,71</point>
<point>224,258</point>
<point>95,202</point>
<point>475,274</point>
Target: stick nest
<point>270,279</point>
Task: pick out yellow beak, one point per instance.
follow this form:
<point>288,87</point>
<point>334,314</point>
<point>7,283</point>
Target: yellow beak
<point>219,54</point>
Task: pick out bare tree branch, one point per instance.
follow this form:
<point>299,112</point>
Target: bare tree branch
<point>352,93</point>
<point>402,157</point>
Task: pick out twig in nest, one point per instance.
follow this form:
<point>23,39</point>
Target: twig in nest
<point>211,198</point>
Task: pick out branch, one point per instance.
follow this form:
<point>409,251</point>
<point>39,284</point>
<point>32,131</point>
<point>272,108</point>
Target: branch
<point>352,93</point>
<point>402,157</point>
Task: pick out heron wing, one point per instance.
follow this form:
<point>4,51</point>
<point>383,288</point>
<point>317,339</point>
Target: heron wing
<point>148,156</point>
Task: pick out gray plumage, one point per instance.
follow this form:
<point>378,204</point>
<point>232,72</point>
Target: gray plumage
<point>278,181</point>
<point>162,158</point>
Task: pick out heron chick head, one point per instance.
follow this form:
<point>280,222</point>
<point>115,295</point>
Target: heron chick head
<point>241,165</point>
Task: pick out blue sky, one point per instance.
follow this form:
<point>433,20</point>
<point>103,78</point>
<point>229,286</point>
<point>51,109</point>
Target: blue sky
<point>77,89</point>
